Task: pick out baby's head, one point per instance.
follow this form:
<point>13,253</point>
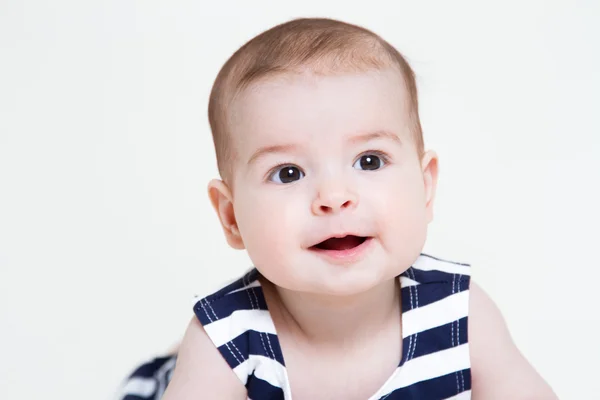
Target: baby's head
<point>318,140</point>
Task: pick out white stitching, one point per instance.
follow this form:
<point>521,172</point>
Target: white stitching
<point>231,341</point>
<point>412,308</point>
<point>415,345</point>
<point>246,282</point>
<point>458,343</point>
<point>411,296</point>
<point>457,385</point>
<point>266,334</point>
<point>458,332</point>
<point>260,334</point>
<point>452,325</point>
<point>462,376</point>
<point>270,347</point>
<point>414,277</point>
<point>417,300</point>
<point>210,319</point>
<point>452,335</point>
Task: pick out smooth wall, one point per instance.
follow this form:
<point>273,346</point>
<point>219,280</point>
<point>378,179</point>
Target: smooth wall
<point>106,232</point>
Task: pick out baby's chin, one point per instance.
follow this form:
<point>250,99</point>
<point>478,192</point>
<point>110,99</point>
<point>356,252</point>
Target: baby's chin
<point>351,283</point>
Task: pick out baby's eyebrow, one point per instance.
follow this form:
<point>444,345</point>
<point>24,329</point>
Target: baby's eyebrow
<point>288,148</point>
<point>263,151</point>
<point>380,134</point>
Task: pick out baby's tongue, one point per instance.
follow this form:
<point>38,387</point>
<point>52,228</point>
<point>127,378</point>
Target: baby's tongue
<point>344,243</point>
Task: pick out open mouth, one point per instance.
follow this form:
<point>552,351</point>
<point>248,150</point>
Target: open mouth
<point>340,244</point>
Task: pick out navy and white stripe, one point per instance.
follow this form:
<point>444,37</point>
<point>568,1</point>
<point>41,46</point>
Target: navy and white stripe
<point>435,357</point>
<point>435,352</point>
<point>237,320</point>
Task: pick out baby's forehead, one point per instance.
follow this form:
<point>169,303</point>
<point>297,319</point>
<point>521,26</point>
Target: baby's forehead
<point>310,80</point>
<point>310,107</point>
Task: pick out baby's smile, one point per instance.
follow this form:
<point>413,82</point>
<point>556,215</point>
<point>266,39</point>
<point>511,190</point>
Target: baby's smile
<point>340,243</point>
<point>347,248</point>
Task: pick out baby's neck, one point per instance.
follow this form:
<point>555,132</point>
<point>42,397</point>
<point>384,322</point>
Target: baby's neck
<point>334,320</point>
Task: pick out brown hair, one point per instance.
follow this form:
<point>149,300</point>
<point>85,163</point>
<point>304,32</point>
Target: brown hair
<point>325,46</point>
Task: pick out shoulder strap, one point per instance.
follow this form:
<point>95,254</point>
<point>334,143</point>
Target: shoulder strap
<point>238,322</point>
<point>435,308</point>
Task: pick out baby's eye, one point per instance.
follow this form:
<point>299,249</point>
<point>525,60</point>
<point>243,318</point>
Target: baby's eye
<point>369,162</point>
<point>286,174</point>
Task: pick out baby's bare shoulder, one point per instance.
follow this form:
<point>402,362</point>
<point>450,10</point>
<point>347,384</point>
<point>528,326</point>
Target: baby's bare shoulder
<point>498,368</point>
<point>201,371</point>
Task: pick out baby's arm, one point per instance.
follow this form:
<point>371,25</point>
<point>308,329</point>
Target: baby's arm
<point>499,370</point>
<point>201,372</point>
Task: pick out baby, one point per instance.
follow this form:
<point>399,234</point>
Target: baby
<point>327,185</point>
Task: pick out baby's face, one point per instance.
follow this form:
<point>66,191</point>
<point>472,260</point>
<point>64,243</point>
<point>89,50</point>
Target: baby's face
<point>329,193</point>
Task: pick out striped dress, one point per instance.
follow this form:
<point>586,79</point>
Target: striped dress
<point>435,361</point>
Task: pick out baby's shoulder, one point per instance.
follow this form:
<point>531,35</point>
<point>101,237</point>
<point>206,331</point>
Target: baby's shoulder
<point>495,357</point>
<point>201,372</point>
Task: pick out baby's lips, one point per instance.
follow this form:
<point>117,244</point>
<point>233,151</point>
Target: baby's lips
<point>324,239</point>
<point>343,243</point>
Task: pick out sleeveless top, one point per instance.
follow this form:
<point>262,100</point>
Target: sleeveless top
<point>435,353</point>
<point>435,361</point>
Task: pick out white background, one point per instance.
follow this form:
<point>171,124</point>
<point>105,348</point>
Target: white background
<point>106,232</point>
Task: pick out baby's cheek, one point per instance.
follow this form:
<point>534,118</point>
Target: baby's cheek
<point>267,231</point>
<point>403,221</point>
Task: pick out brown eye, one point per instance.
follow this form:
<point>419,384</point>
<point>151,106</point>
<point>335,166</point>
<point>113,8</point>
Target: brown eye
<point>286,174</point>
<point>369,162</point>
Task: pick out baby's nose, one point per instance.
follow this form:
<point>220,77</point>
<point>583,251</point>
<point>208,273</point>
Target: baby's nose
<point>332,199</point>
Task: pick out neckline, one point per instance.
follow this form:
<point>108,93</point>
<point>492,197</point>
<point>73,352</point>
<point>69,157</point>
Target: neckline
<point>405,350</point>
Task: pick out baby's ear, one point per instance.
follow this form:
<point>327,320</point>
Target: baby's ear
<point>222,201</point>
<point>429,165</point>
